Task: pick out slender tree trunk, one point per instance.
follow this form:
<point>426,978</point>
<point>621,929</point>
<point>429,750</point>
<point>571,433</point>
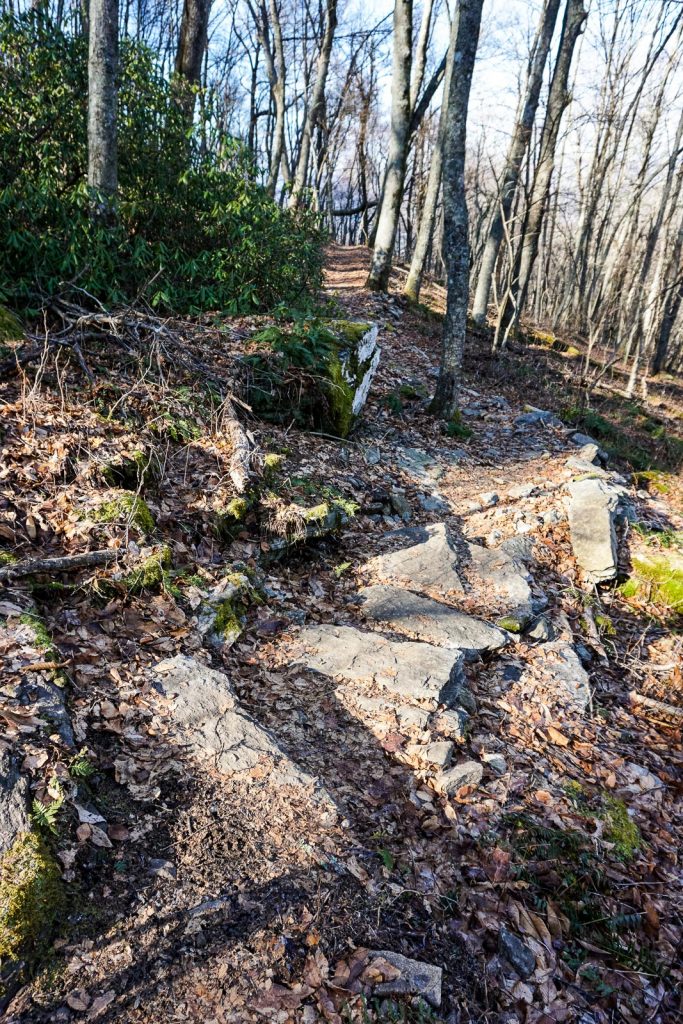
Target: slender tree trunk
<point>194,30</point>
<point>500,213</point>
<point>558,99</point>
<point>392,193</point>
<point>103,57</point>
<point>456,250</point>
<point>317,106</point>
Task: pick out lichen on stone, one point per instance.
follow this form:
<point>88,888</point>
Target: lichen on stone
<point>126,507</point>
<point>31,898</point>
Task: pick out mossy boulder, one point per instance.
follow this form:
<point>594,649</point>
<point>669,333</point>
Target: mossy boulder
<point>222,616</point>
<point>317,374</point>
<point>128,509</point>
<point>31,899</point>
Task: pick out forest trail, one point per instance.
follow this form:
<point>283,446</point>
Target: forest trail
<point>270,823</point>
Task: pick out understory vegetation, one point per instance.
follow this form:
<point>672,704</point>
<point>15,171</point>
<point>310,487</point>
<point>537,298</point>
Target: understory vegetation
<point>192,229</point>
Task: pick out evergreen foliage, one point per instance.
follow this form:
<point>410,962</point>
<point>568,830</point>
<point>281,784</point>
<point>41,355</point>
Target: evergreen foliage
<point>192,230</point>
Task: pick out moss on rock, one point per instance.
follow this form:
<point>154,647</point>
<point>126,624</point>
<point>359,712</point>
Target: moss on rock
<point>149,574</point>
<point>228,623</point>
<point>6,558</point>
<point>658,581</point>
<point>621,830</point>
<point>31,898</point>
<point>126,507</point>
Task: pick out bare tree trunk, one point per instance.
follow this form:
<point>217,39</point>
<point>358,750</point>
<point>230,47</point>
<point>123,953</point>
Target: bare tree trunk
<point>456,250</point>
<point>103,58</point>
<point>392,193</point>
<point>500,213</point>
<point>317,105</point>
<point>558,99</point>
<point>194,29</point>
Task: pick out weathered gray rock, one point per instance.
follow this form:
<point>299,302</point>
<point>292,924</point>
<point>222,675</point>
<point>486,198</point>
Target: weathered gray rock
<point>433,503</point>
<point>416,978</point>
<point>517,953</point>
<point>221,615</point>
<point>469,773</point>
<point>541,630</point>
<point>400,505</point>
<point>591,509</point>
<point>14,794</point>
<point>431,620</point>
<point>438,753</point>
<point>428,562</point>
<point>533,417</point>
<point>563,673</point>
<point>505,577</point>
<point>418,671</point>
<point>418,464</point>
<point>522,491</point>
<point>205,713</point>
<point>50,704</point>
<point>453,723</point>
<point>496,762</point>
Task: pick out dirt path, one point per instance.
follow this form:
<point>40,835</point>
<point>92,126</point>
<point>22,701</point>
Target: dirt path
<point>547,889</point>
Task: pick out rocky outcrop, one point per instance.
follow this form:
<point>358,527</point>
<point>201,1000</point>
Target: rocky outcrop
<point>507,580</point>
<point>437,623</point>
<point>418,671</point>
<point>591,508</point>
<point>426,561</point>
<point>208,720</point>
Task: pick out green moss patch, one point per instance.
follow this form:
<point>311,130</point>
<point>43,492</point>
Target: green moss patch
<point>31,898</point>
<point>127,508</point>
<point>6,558</point>
<point>657,581</point>
<point>150,573</point>
<point>129,472</point>
<point>621,830</point>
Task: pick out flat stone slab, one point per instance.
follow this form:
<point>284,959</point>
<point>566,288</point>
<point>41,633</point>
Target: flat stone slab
<point>418,671</point>
<point>423,467</point>
<point>468,773</point>
<point>414,977</point>
<point>507,579</point>
<point>433,621</point>
<point>427,562</point>
<point>591,509</point>
<point>206,715</point>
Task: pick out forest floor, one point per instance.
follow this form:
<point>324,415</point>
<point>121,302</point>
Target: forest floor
<point>193,896</point>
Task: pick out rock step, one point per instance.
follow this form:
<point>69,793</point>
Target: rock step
<point>591,510</point>
<point>436,623</point>
<point>429,561</point>
<point>206,716</point>
<point>414,670</point>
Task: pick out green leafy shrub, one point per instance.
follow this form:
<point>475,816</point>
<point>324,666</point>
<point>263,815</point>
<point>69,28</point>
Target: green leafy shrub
<point>193,230</point>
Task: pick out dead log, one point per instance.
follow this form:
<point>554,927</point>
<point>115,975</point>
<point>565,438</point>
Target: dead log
<point>657,710</point>
<point>240,460</point>
<point>65,563</point>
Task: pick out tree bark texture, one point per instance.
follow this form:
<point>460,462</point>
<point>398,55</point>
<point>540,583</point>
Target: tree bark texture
<point>194,31</point>
<point>456,251</point>
<point>103,57</point>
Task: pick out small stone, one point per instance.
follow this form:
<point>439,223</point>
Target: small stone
<point>162,869</point>
<point>542,630</point>
<point>522,491</point>
<point>400,505</point>
<point>468,773</point>
<point>534,417</point>
<point>372,456</point>
<point>496,762</point>
<point>563,672</point>
<point>415,978</point>
<point>435,622</point>
<point>433,503</point>
<point>438,753</point>
<point>551,517</point>
<point>488,499</point>
<point>453,723</point>
<point>517,953</point>
<point>525,527</point>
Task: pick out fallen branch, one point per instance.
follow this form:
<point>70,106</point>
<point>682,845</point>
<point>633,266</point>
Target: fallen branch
<point>66,563</point>
<point>657,710</point>
<point>240,459</point>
